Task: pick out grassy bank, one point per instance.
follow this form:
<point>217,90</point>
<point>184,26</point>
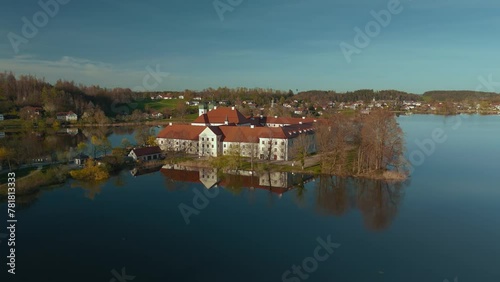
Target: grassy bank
<point>225,164</point>
<point>37,179</point>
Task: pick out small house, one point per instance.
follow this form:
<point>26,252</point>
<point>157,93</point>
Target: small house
<point>81,158</point>
<point>156,115</point>
<point>67,116</point>
<point>146,153</point>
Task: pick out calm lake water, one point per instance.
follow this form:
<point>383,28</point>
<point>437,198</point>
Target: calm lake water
<point>443,223</point>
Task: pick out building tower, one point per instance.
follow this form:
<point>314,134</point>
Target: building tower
<point>202,109</point>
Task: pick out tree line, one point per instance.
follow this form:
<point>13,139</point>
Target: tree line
<point>363,145</point>
<point>28,90</point>
<point>461,96</point>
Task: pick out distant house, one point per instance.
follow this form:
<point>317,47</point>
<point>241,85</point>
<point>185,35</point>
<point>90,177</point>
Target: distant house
<point>81,158</point>
<point>181,97</point>
<point>67,116</point>
<point>146,153</point>
<point>167,96</point>
<point>32,112</point>
<point>156,115</point>
<point>69,130</point>
<point>1,117</point>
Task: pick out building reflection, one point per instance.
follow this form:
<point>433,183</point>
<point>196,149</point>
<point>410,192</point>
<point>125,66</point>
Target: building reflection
<point>377,201</point>
<point>275,182</point>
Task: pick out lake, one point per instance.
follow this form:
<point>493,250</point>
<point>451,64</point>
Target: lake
<point>442,224</point>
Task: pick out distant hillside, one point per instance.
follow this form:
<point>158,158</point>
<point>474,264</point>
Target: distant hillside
<point>28,90</point>
<point>460,95</point>
<point>358,95</point>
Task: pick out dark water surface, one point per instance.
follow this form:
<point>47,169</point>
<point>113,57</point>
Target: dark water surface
<point>443,223</point>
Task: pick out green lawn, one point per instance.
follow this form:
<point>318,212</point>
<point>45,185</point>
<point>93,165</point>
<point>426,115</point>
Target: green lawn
<point>159,104</point>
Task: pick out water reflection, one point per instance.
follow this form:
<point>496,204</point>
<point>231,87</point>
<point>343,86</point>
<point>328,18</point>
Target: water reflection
<point>377,201</point>
<point>274,182</point>
<point>92,189</point>
<point>49,145</point>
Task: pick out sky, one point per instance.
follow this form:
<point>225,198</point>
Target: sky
<point>280,44</point>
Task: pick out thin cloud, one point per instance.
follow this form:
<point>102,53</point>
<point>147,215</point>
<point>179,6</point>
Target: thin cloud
<point>79,70</point>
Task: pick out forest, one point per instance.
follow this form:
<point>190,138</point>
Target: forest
<point>461,96</point>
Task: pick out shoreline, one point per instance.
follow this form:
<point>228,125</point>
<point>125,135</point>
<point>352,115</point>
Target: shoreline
<point>10,127</point>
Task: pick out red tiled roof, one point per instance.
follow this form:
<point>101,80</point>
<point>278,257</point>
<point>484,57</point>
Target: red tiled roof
<point>287,120</point>
<point>216,130</point>
<point>245,134</point>
<point>220,114</point>
<point>181,131</point>
<point>252,135</point>
<point>147,151</point>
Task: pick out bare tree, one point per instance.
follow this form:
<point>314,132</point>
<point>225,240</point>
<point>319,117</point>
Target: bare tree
<point>301,148</point>
<point>332,139</point>
<point>382,143</point>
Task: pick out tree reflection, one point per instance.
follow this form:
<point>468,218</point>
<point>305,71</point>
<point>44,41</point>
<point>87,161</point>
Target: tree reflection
<point>91,188</point>
<point>300,193</point>
<point>378,201</point>
<point>332,195</point>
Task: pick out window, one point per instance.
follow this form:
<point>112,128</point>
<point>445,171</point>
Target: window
<point>212,139</point>
<point>176,143</point>
<point>276,143</point>
<point>263,143</point>
<point>276,149</point>
<point>282,143</point>
<point>203,145</point>
<point>212,146</point>
<point>224,145</point>
<point>202,139</point>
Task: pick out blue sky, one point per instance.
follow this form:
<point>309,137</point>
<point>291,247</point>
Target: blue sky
<point>282,44</point>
